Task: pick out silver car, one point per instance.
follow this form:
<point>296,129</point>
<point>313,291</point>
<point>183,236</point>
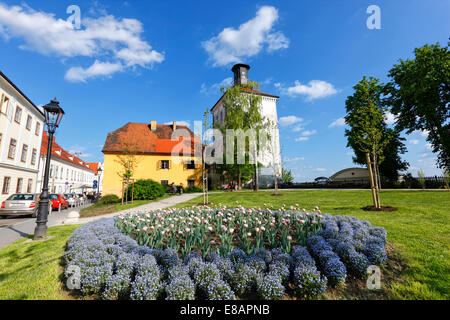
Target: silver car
<point>21,205</point>
<point>73,199</point>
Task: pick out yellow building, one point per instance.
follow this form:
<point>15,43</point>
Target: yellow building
<point>160,155</point>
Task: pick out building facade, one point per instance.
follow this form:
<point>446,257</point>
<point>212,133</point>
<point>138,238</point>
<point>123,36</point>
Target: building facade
<point>68,173</point>
<point>271,158</point>
<point>158,157</point>
<point>21,130</point>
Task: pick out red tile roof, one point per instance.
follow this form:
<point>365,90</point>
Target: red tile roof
<point>93,166</point>
<point>148,141</point>
<point>60,153</point>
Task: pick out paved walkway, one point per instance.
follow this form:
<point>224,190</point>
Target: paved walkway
<point>13,232</point>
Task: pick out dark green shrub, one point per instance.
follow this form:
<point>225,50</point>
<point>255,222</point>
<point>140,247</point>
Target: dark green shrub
<point>109,199</point>
<point>146,190</point>
<point>193,189</point>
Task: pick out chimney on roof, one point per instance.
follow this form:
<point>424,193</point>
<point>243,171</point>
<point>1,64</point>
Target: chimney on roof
<point>240,73</point>
<point>174,126</point>
<point>153,125</point>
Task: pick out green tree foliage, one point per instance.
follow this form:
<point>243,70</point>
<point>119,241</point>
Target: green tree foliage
<point>419,96</point>
<point>243,112</point>
<point>286,176</point>
<point>146,190</point>
<point>365,117</point>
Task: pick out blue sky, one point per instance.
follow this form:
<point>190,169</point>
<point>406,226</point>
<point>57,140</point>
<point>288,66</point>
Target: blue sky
<point>136,61</point>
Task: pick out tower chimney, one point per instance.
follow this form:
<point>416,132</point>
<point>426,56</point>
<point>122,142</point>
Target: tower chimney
<point>174,126</point>
<point>240,73</point>
<point>153,125</point>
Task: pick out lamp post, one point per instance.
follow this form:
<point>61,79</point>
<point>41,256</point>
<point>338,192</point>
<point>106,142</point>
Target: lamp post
<point>99,171</point>
<point>53,115</point>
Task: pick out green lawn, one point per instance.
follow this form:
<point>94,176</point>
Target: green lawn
<point>32,271</point>
<point>420,229</point>
<point>99,209</point>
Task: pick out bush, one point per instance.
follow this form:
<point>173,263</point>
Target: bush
<point>193,189</point>
<point>308,282</point>
<point>146,190</point>
<point>271,288</point>
<point>109,199</point>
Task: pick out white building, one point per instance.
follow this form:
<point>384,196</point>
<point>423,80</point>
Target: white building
<point>21,128</point>
<point>271,158</point>
<point>68,173</point>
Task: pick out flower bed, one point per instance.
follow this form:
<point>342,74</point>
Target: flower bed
<point>255,252</point>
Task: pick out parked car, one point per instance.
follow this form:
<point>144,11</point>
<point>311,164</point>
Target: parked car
<point>82,198</point>
<point>73,199</point>
<point>59,201</point>
<point>21,205</point>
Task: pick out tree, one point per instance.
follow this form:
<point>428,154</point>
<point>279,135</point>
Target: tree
<point>419,96</point>
<point>286,176</point>
<point>128,162</point>
<point>421,176</point>
<point>393,164</point>
<point>243,112</point>
<point>365,116</point>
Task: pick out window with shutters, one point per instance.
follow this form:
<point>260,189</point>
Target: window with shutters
<point>164,164</point>
<point>4,105</point>
<point>30,186</point>
<point>33,157</point>
<point>29,121</point>
<point>190,165</point>
<point>18,114</point>
<point>191,183</point>
<point>12,148</point>
<point>38,128</point>
<point>6,183</point>
<point>165,182</point>
<point>23,158</point>
<point>19,185</point>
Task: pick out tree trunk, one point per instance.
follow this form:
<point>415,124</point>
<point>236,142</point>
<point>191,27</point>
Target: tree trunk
<point>377,187</point>
<point>256,187</point>
<point>239,178</point>
<point>276,183</point>
<point>372,185</point>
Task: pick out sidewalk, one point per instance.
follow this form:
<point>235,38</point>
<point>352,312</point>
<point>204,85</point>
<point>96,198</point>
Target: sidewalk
<point>12,233</point>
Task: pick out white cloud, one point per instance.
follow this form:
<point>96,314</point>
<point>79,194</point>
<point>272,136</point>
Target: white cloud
<point>301,139</point>
<point>293,159</point>
<point>425,155</point>
<point>315,89</point>
<point>390,118</point>
<point>350,153</point>
<point>232,45</point>
<point>309,133</point>
<point>289,120</point>
<point>297,128</point>
<point>429,146</point>
<point>78,74</point>
<point>118,42</point>
<point>337,123</point>
<point>320,169</point>
<point>215,88</point>
<point>414,141</point>
<point>424,133</point>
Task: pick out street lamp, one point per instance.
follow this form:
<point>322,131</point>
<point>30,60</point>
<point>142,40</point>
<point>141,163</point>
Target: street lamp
<point>99,171</point>
<point>53,115</point>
